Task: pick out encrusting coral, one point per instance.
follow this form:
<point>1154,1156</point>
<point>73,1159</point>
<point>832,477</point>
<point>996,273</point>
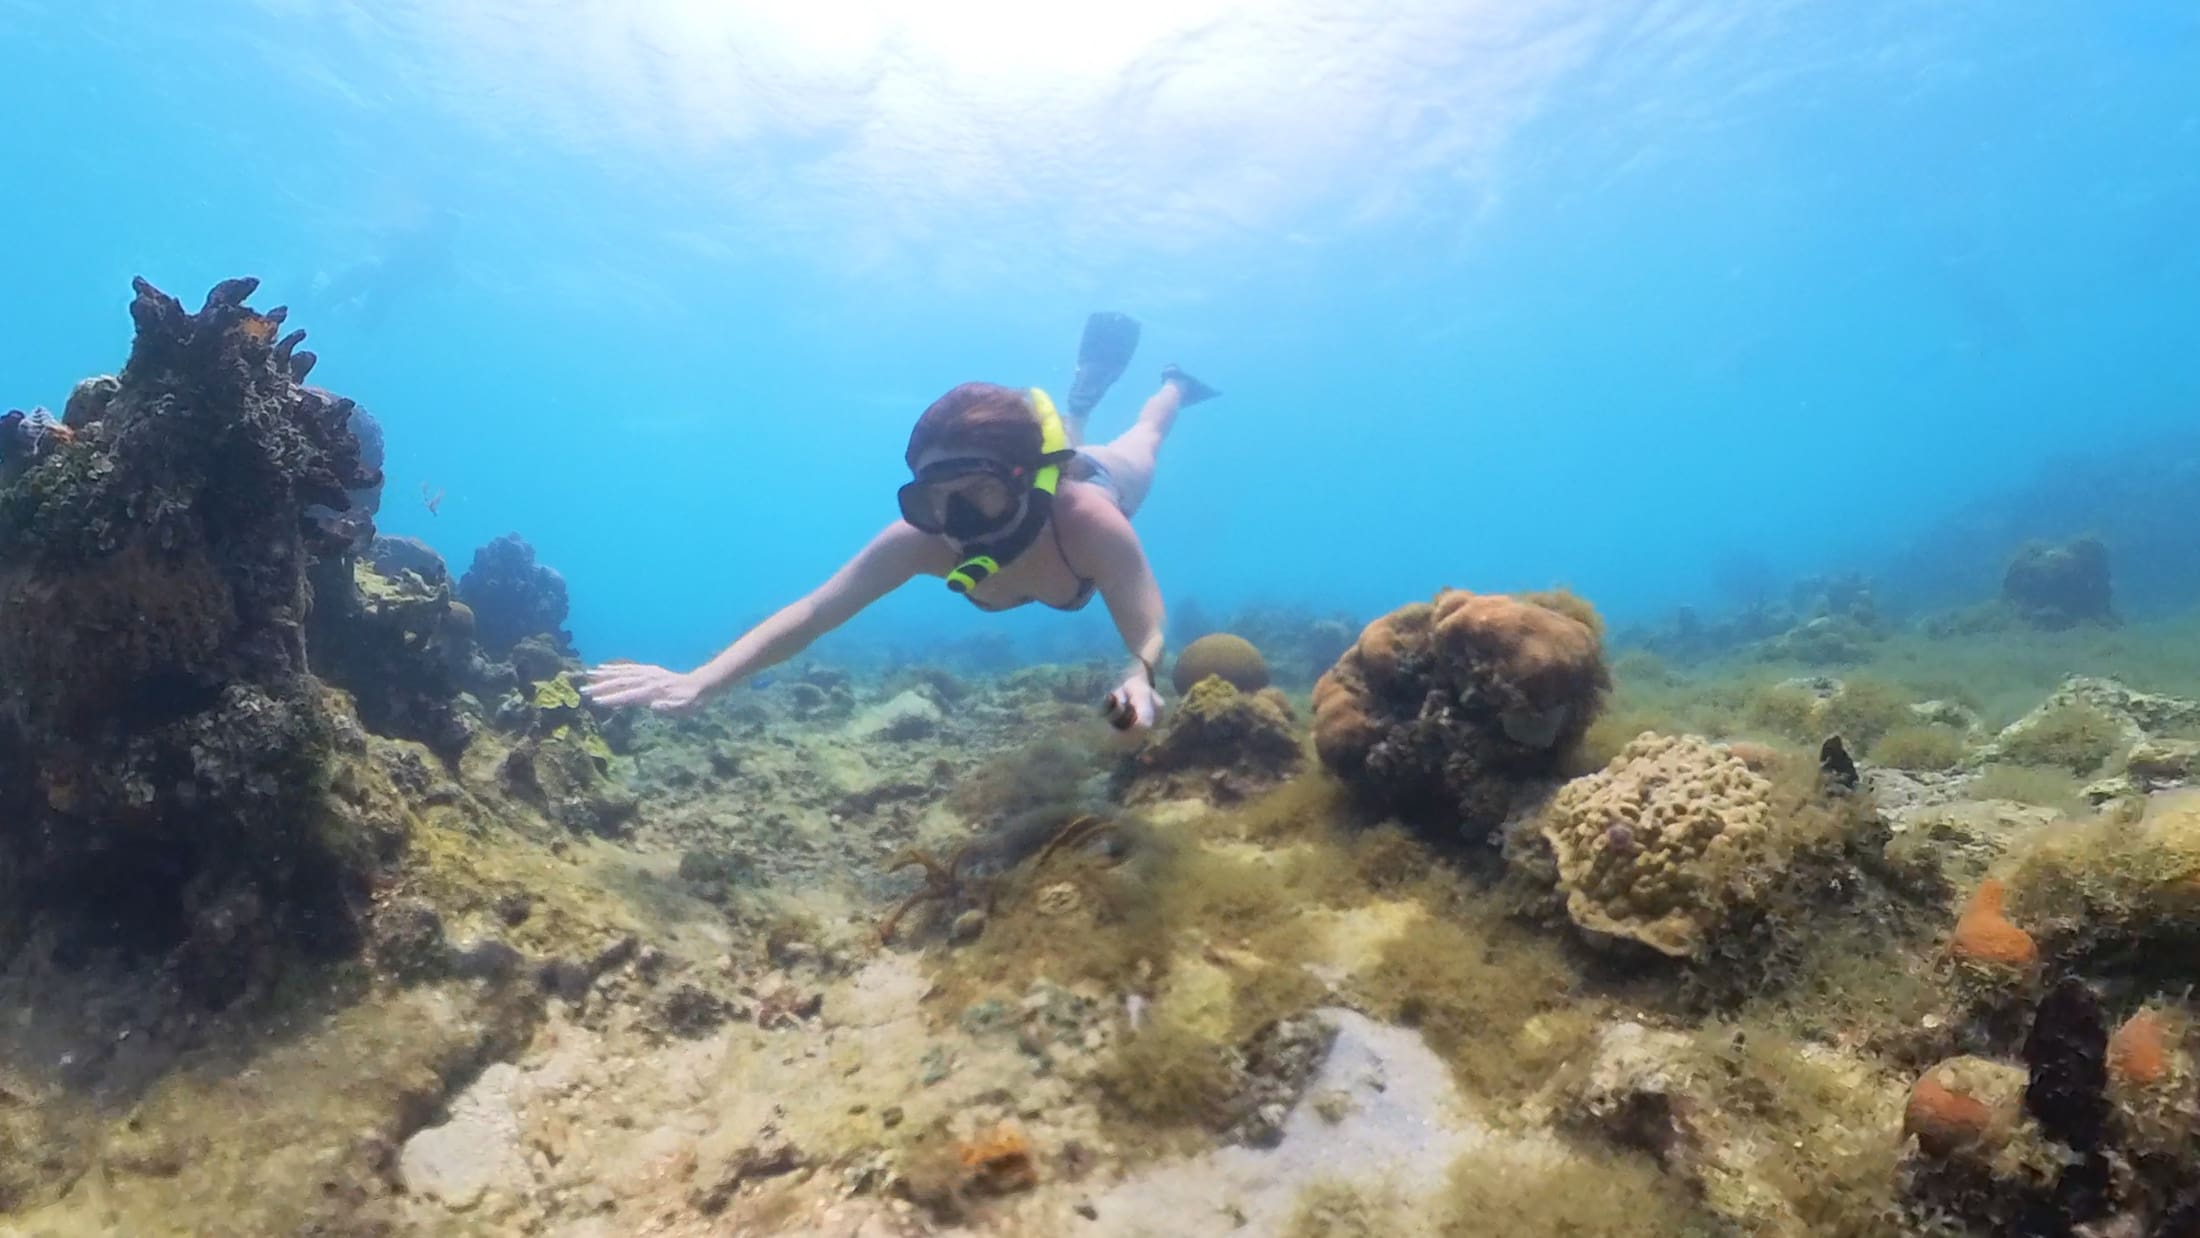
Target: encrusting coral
<point>1657,846</point>
<point>1985,937</point>
<point>1444,711</point>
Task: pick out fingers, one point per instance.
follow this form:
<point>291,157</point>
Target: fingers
<point>616,698</point>
<point>618,684</point>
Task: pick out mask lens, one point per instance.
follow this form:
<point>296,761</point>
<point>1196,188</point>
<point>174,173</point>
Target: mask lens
<point>965,505</point>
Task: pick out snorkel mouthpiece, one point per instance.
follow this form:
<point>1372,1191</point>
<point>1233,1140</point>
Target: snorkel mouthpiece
<point>971,573</point>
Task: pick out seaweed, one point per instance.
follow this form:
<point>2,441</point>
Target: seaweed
<point>1920,747</point>
<point>2071,736</point>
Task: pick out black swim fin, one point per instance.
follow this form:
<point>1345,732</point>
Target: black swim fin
<point>1102,356</point>
<point>1191,390</point>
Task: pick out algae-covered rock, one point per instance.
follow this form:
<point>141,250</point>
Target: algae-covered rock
<point>2056,587</point>
<point>389,640</point>
<point>2089,725</point>
<point>2127,888</point>
<point>905,717</point>
<point>161,741</point>
<point>1443,712</point>
<point>1219,743</point>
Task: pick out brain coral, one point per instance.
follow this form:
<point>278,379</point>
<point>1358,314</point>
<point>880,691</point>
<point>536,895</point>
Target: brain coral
<point>1231,657</point>
<point>1443,710</point>
<point>1656,846</point>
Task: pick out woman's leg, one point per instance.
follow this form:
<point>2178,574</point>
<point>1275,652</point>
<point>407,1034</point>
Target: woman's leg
<point>1130,457</point>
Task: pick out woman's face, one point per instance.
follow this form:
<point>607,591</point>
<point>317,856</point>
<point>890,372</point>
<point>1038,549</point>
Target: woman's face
<point>964,496</point>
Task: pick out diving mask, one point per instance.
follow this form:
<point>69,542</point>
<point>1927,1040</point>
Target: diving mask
<point>966,499</point>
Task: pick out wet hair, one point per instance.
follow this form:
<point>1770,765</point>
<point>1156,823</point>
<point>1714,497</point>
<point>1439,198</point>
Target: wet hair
<point>979,419</point>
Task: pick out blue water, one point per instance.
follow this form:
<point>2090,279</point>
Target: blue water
<point>1501,294</point>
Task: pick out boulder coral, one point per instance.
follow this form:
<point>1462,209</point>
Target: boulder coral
<point>1444,711</point>
<point>161,740</point>
<point>1663,843</point>
<point>1232,658</point>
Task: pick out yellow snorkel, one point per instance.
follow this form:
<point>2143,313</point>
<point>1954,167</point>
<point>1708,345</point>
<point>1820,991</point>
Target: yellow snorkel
<point>1054,452</point>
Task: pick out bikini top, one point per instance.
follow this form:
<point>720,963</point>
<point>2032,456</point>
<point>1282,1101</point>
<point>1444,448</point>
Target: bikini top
<point>1085,584</point>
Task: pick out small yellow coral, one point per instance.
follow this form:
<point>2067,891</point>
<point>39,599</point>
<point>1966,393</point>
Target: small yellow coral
<point>557,692</point>
<point>1647,848</point>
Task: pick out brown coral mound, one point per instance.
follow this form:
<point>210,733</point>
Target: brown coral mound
<point>1985,937</point>
<point>1442,712</point>
<point>1233,658</point>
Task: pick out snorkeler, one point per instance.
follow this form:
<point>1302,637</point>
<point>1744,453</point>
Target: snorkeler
<point>1008,507</point>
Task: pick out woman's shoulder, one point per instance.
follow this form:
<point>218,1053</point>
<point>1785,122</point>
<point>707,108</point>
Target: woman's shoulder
<point>1092,527</point>
<point>1085,506</point>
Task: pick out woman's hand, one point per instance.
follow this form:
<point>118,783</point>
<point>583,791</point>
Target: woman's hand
<point>1134,705</point>
<point>619,684</point>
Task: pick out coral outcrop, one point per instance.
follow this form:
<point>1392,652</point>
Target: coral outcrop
<point>2060,586</point>
<point>1443,712</point>
<point>162,746</point>
<point>513,597</point>
<point>1659,846</point>
<point>1220,744</point>
<point>1230,658</point>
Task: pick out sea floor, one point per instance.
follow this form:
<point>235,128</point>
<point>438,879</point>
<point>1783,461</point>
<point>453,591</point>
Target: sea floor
<point>694,1026</point>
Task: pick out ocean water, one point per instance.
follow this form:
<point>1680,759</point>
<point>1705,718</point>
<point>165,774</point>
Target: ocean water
<point>1777,331</point>
<point>1501,295</point>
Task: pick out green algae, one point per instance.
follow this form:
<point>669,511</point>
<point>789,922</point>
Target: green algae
<point>2071,736</point>
<point>1594,1195</point>
<point>2058,789</point>
<point>1920,747</point>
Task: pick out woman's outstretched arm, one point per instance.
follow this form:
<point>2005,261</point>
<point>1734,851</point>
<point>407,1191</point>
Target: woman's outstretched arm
<point>892,557</point>
<point>1108,548</point>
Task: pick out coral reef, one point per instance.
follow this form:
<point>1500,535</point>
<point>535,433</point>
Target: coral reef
<point>162,746</point>
<point>1220,743</point>
<point>1232,659</point>
<point>1443,712</point>
<point>2060,586</point>
<point>513,597</point>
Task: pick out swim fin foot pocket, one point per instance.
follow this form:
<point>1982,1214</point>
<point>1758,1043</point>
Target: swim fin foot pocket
<point>1102,356</point>
<point>1191,390</point>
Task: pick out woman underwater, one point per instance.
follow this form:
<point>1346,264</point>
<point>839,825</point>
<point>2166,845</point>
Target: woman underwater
<point>1009,508</point>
